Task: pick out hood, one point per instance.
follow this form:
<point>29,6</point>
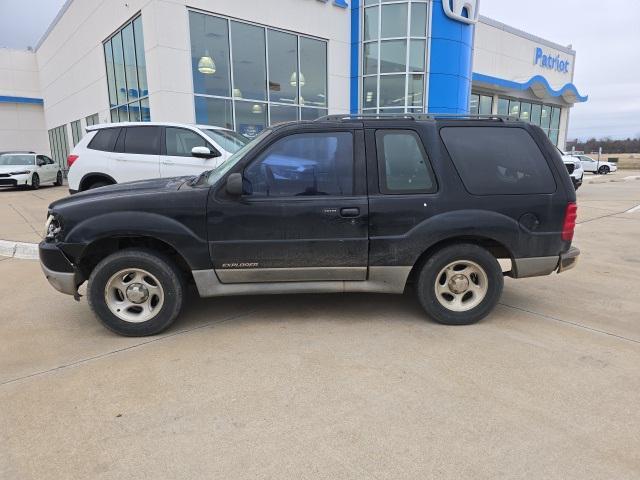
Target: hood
<point>124,189</point>
<point>16,168</point>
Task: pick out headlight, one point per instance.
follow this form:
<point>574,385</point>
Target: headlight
<point>24,172</point>
<point>53,227</point>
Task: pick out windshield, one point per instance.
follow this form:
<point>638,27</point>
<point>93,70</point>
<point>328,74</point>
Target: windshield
<point>17,159</point>
<point>229,140</point>
<point>218,172</point>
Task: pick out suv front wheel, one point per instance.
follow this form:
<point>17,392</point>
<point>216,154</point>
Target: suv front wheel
<point>136,292</point>
<point>460,284</point>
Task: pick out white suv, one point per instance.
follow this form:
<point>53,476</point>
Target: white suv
<point>28,169</point>
<point>123,152</point>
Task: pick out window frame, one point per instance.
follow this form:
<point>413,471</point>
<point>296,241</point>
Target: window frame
<point>357,170</point>
<point>382,167</point>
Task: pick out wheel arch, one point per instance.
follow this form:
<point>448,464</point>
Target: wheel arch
<point>496,248</point>
<point>99,249</point>
<point>92,177</point>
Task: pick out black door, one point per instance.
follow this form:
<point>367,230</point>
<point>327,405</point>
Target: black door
<point>303,215</point>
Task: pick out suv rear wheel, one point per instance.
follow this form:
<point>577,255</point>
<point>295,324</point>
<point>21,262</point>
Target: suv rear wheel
<point>460,284</point>
<point>136,292</point>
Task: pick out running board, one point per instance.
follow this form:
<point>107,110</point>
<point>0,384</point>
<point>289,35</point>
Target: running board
<point>381,280</point>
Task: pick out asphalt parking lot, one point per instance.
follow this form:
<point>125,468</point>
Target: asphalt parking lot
<point>333,386</point>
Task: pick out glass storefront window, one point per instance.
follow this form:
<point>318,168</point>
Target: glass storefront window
<point>514,108</point>
<point>126,72</point>
<point>59,145</point>
<point>415,91</point>
<point>392,88</point>
<point>313,69</point>
<point>474,104</point>
<point>371,23</point>
<point>247,76</point>
<point>370,92</point>
<point>546,117</point>
<point>214,111</point>
<point>503,106</point>
<point>312,113</point>
<point>394,55</point>
<point>210,55</point>
<point>370,58</point>
<point>486,105</point>
<point>283,65</point>
<point>249,64</point>
<point>536,109</point>
<point>394,20</point>
<point>282,113</point>
<point>418,26</point>
<point>525,111</point>
<point>251,118</point>
<point>417,55</point>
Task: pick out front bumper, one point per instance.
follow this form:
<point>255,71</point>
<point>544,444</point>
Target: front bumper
<point>540,266</point>
<point>15,180</point>
<point>59,271</point>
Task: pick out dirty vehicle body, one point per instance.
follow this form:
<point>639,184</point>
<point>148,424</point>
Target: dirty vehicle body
<point>353,204</point>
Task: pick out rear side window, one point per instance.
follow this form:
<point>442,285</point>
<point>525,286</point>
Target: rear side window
<point>142,140</point>
<point>104,139</point>
<point>498,160</point>
<point>304,164</point>
<point>403,163</point>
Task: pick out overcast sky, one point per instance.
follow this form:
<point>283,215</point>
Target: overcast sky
<point>606,36</point>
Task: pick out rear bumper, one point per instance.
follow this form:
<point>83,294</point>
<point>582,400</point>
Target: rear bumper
<point>540,266</point>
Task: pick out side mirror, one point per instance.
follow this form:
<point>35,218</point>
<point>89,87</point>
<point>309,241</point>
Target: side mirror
<point>203,152</point>
<point>234,184</point>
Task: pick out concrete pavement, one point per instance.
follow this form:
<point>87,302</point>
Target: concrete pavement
<point>338,386</point>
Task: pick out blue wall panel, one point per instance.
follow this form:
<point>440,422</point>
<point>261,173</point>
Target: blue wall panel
<point>450,65</point>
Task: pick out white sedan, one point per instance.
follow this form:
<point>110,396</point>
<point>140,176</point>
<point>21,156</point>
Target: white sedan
<point>28,169</point>
<point>595,166</point>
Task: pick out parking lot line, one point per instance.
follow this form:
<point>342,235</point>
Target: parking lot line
<point>634,209</point>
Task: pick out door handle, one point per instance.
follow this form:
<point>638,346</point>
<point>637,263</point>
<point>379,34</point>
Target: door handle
<point>350,212</point>
<point>166,162</point>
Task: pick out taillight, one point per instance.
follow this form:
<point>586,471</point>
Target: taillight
<point>569,225</point>
<point>71,159</point>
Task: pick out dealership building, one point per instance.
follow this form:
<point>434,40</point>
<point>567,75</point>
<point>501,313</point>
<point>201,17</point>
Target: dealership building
<point>247,64</point>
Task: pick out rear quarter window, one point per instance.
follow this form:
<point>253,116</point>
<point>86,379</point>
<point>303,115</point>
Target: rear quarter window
<point>498,160</point>
<point>104,139</point>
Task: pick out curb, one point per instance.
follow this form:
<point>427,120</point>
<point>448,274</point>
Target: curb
<point>21,250</point>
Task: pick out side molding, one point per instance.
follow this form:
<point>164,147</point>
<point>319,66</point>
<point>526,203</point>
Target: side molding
<point>381,280</point>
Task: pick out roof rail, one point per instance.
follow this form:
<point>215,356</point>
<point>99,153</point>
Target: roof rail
<point>412,116</point>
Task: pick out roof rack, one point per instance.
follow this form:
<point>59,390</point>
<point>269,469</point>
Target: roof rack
<point>412,116</point>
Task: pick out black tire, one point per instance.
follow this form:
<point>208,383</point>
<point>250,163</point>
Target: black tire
<point>58,181</point>
<point>162,268</point>
<point>430,270</point>
<point>97,185</point>
<point>35,181</point>
<point>603,170</point>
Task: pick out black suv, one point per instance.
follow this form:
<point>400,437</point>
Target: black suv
<point>341,204</point>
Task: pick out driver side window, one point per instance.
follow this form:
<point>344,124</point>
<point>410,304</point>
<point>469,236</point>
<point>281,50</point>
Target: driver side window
<point>305,164</point>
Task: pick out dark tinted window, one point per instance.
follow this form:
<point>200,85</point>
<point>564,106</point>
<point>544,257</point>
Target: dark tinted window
<point>142,140</point>
<point>104,140</point>
<point>498,160</point>
<point>403,163</point>
<point>180,141</point>
<point>304,164</point>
